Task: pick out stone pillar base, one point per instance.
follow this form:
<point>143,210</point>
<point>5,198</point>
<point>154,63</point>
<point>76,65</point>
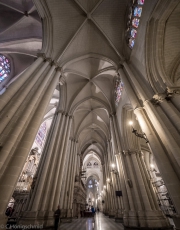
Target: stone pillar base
<point>70,213</point>
<point>119,216</point>
<point>146,220</point>
<point>119,220</point>
<point>44,218</point>
<point>112,213</point>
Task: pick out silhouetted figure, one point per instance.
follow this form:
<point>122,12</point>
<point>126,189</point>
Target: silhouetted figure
<point>57,214</point>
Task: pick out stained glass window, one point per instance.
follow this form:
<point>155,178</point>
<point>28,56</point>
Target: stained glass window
<point>137,11</point>
<point>135,22</point>
<point>5,68</point>
<point>131,42</point>
<point>41,134</point>
<point>141,2</point>
<point>89,164</point>
<point>118,90</point>
<point>133,33</point>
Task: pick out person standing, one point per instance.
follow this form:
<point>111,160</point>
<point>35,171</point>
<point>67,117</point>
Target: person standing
<point>57,215</point>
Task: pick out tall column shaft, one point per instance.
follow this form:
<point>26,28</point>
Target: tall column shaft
<point>16,85</point>
<point>64,155</point>
<point>167,171</point>
<point>13,106</point>
<point>51,196</point>
<point>9,178</point>
<point>9,144</point>
<point>66,192</point>
<point>45,196</point>
<point>43,173</point>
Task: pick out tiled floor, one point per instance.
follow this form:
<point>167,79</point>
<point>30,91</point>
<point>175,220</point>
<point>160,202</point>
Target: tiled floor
<point>102,222</point>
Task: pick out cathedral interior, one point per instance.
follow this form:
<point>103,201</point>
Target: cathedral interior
<point>90,113</point>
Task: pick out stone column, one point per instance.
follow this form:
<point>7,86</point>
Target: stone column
<point>167,171</point>
<point>52,173</point>
<point>8,145</point>
<point>64,155</point>
<point>70,201</point>
<point>47,158</point>
<point>69,173</point>
<point>16,85</point>
<point>11,174</point>
<point>21,97</point>
<point>52,196</point>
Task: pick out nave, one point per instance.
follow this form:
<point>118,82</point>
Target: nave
<point>90,112</point>
<point>102,222</point>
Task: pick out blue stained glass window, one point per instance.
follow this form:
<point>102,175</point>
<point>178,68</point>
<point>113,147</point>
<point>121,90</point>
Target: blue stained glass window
<point>137,11</point>
<point>133,33</point>
<point>141,2</point>
<point>5,68</point>
<point>40,137</point>
<point>135,22</point>
<point>131,42</point>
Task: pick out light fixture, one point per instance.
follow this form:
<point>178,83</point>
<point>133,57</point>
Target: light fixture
<point>113,166</point>
<point>104,186</point>
<point>152,168</point>
<point>141,135</point>
<point>108,180</point>
<point>113,169</point>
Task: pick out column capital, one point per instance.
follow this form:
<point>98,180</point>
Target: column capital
<point>58,68</point>
<point>172,91</point>
<point>60,111</point>
<point>48,59</point>
<point>132,151</point>
<point>41,55</point>
<point>125,152</point>
<point>158,98</point>
<point>54,63</point>
<point>138,108</point>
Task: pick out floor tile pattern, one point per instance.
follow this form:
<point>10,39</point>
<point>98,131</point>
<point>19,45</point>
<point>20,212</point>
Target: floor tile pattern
<point>102,222</point>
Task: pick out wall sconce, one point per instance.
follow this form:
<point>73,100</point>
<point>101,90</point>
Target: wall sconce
<point>141,135</point>
<point>108,180</point>
<point>104,186</point>
<point>152,168</point>
<point>113,169</point>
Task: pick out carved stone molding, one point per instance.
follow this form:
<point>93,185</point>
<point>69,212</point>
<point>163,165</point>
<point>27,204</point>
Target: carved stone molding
<point>41,55</point>
<point>172,91</point>
<point>157,99</point>
<point>49,60</point>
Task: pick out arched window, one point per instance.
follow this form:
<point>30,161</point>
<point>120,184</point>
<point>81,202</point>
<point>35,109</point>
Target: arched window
<point>133,21</point>
<point>118,90</point>
<point>5,68</point>
<point>40,137</point>
<point>89,164</point>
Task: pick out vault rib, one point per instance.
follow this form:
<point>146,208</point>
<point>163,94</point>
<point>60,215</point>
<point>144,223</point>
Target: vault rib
<point>72,39</point>
<point>82,8</point>
<point>107,38</point>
